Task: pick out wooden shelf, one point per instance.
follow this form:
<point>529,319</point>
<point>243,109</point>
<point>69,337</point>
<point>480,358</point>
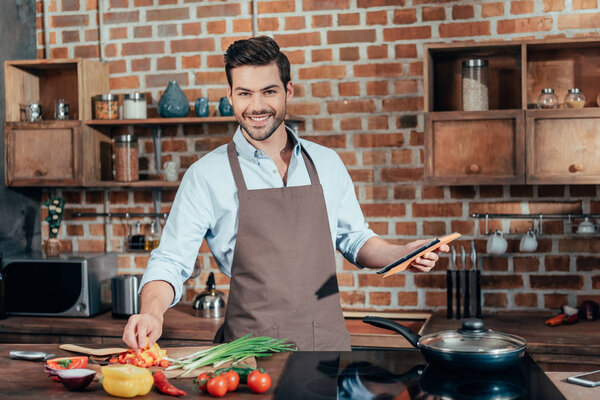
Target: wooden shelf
<point>172,121</point>
<point>137,184</point>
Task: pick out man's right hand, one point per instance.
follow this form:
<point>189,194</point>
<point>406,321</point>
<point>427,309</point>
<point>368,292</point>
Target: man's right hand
<point>142,326</point>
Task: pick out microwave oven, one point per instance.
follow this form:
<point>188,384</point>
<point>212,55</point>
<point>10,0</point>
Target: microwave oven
<point>70,285</point>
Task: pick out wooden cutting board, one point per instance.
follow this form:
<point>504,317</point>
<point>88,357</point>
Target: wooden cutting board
<point>172,352</point>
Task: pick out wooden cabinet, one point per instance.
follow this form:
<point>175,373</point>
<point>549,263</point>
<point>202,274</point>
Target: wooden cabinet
<point>478,148</point>
<point>513,142</point>
<point>54,152</point>
<point>563,146</point>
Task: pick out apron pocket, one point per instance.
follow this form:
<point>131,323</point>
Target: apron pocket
<point>329,338</point>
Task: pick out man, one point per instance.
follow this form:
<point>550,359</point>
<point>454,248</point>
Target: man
<point>272,208</point>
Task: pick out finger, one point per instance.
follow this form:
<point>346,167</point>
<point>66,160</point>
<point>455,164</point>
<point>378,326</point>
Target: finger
<point>431,256</point>
<point>129,332</point>
<point>142,333</point>
<point>422,262</point>
<point>153,337</point>
<point>443,248</point>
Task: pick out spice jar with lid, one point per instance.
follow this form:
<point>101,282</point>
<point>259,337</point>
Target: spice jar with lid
<point>547,99</point>
<point>134,106</point>
<point>126,158</point>
<point>475,85</point>
<point>106,106</point>
<point>574,99</point>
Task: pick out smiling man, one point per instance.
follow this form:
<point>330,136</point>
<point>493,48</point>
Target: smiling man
<point>273,208</point>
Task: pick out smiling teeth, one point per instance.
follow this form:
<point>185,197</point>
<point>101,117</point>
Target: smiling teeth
<point>259,118</point>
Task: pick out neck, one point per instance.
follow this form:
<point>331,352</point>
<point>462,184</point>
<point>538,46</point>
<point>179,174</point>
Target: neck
<point>275,146</point>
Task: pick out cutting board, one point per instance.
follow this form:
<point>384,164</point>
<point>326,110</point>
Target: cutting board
<point>172,352</point>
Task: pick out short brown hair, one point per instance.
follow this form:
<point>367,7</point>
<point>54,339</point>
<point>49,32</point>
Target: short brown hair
<point>259,50</point>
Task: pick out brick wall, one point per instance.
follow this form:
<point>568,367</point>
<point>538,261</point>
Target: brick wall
<point>357,66</point>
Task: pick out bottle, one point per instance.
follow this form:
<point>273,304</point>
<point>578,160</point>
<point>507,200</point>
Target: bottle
<point>547,99</point>
<point>153,239</point>
<point>137,239</point>
<point>126,158</point>
<point>3,308</point>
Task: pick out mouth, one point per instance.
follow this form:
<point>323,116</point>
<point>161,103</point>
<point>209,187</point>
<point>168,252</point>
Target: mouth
<point>259,120</point>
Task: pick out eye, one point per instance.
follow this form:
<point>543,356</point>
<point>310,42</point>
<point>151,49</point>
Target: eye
<point>270,92</point>
<point>243,94</point>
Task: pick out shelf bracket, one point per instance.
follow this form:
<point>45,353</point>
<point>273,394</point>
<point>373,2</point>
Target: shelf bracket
<point>156,136</point>
<point>156,200</point>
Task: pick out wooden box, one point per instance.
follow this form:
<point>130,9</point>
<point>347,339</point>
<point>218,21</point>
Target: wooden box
<point>45,81</point>
<point>475,148</point>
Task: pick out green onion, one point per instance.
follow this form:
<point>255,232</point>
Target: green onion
<point>235,352</point>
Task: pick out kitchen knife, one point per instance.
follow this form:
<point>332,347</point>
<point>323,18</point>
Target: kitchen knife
<point>31,355</point>
<point>477,282</point>
<point>450,286</point>
<point>457,274</point>
<point>467,287</point>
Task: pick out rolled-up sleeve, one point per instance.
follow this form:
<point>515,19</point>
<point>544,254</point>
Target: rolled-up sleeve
<point>352,229</point>
<point>190,217</point>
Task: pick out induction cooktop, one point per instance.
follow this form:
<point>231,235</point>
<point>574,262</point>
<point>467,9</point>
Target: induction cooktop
<point>403,375</point>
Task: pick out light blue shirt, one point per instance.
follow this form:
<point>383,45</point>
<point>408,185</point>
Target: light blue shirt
<point>206,206</point>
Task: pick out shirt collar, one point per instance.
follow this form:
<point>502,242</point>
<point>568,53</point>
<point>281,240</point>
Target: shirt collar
<point>251,153</point>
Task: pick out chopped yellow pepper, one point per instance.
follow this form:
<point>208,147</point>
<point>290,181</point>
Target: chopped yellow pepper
<point>123,380</point>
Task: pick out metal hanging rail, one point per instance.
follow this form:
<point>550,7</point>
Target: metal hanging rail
<point>120,215</point>
<point>539,217</point>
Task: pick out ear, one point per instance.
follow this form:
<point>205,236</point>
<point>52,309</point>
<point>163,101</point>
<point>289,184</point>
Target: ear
<point>229,97</point>
<point>289,91</point>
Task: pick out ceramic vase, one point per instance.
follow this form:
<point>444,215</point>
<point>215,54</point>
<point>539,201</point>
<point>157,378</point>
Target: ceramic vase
<point>173,103</point>
<point>201,107</point>
<point>225,108</point>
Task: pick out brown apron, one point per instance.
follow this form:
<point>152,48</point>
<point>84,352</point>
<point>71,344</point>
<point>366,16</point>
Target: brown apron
<point>283,281</point>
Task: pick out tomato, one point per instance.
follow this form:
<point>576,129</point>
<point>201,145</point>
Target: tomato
<point>233,380</point>
<point>217,386</point>
<point>259,381</point>
<point>202,380</point>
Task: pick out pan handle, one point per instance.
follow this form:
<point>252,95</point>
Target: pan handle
<point>413,338</point>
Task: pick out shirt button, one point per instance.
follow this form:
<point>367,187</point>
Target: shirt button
<point>274,171</point>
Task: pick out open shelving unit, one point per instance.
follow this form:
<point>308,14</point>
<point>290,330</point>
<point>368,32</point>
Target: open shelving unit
<point>513,142</point>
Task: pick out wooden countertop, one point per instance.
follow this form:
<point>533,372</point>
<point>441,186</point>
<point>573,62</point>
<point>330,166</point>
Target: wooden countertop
<point>27,380</point>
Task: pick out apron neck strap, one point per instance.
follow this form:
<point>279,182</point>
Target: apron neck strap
<point>239,177</point>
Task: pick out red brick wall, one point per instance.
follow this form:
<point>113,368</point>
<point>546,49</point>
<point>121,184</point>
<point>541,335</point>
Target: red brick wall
<point>357,66</point>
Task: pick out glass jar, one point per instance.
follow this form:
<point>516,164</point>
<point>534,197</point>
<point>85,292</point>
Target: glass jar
<point>106,106</point>
<point>153,238</point>
<point>126,158</point>
<point>547,99</point>
<point>134,106</point>
<point>475,85</point>
<point>574,99</point>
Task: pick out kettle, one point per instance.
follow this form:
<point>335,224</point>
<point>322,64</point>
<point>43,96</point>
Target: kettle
<point>210,303</point>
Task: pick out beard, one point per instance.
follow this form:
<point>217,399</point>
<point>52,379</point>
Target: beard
<point>264,132</point>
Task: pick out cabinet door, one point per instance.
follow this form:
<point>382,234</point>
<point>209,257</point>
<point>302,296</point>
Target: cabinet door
<point>474,148</point>
<point>563,146</point>
<point>42,154</point>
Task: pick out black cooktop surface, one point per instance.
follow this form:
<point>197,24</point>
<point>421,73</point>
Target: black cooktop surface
<point>404,375</point>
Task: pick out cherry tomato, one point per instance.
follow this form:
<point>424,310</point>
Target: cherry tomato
<point>233,380</point>
<point>202,380</point>
<point>259,381</point>
<point>217,386</point>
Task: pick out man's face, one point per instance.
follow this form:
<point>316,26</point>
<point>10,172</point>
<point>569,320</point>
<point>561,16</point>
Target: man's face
<point>259,99</point>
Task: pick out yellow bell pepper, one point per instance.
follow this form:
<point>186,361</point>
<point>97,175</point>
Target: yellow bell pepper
<point>124,380</point>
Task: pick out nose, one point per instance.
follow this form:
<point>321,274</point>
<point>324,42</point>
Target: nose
<point>257,102</point>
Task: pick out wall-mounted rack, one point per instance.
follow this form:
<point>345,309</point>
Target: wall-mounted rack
<point>538,217</point>
<point>120,215</point>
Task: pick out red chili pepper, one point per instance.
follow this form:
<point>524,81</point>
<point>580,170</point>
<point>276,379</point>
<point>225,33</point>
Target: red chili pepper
<point>163,385</point>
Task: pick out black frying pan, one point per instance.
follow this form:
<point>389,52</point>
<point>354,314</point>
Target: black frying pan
<point>471,347</point>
